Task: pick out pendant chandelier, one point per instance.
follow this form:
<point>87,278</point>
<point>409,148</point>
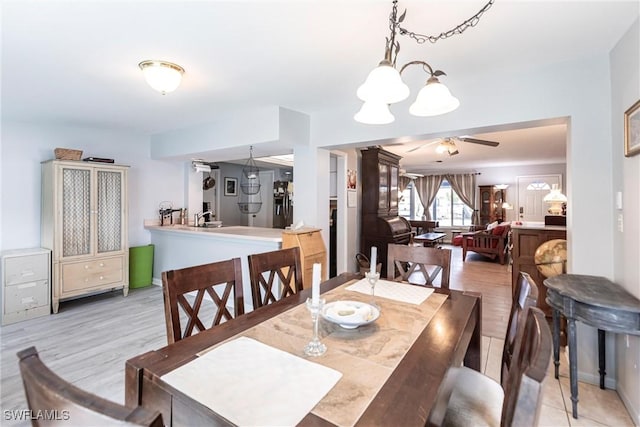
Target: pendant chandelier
<point>250,198</point>
<point>384,85</point>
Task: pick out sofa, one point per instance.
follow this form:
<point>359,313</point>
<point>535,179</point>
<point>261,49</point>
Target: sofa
<point>491,243</point>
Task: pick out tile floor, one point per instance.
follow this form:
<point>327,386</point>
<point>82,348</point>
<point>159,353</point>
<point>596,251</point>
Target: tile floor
<point>595,408</point>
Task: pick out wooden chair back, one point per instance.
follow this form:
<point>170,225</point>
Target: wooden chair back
<point>47,393</point>
<point>217,280</point>
<point>283,264</point>
<point>405,263</point>
<point>523,394</point>
<point>525,296</point>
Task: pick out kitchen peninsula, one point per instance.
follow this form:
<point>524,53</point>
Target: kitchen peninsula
<point>180,246</point>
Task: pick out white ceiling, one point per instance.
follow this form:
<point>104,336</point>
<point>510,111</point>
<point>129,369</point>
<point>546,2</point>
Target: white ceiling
<point>75,62</point>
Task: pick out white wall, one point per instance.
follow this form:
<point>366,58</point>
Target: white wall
<point>507,175</point>
<point>25,145</point>
<point>625,90</point>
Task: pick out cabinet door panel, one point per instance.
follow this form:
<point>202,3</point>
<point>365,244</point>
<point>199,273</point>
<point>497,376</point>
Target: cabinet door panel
<point>109,208</point>
<point>383,201</point>
<point>76,212</point>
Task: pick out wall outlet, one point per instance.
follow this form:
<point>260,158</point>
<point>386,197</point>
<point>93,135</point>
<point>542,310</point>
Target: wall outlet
<point>620,223</point>
<point>626,340</point>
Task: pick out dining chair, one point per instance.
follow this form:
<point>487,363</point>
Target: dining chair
<point>50,396</point>
<point>469,398</point>
<point>283,264</point>
<point>217,281</point>
<point>410,261</point>
<point>525,295</point>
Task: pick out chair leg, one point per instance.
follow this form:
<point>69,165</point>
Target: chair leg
<point>464,254</point>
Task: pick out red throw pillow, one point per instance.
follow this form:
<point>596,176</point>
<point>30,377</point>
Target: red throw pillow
<point>497,231</point>
<point>457,241</point>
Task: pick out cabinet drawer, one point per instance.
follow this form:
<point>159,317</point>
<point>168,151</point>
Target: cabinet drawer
<point>90,274</point>
<point>29,268</point>
<point>25,296</point>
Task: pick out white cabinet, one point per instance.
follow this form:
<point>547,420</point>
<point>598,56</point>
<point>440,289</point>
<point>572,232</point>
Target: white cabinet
<point>26,280</point>
<point>84,223</point>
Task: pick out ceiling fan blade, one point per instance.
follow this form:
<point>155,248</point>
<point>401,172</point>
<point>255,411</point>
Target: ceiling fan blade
<point>422,146</point>
<point>480,141</point>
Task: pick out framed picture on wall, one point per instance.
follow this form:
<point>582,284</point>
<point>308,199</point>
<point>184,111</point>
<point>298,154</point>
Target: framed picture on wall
<point>632,130</point>
<point>230,186</point>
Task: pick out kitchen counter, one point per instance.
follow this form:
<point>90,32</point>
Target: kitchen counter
<point>538,226</point>
<point>231,232</point>
<point>180,246</point>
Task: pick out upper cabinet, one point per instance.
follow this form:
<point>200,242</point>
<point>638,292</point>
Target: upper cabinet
<point>380,172</point>
<point>491,200</point>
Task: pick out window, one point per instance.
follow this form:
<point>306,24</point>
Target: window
<point>409,204</point>
<point>448,209</point>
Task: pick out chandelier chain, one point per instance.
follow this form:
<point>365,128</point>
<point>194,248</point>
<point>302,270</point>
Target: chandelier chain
<point>421,38</point>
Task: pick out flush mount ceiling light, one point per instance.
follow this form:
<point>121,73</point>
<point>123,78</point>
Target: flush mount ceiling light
<point>384,85</point>
<point>163,76</point>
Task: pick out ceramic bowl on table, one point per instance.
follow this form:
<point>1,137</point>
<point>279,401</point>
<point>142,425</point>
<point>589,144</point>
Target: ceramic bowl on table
<point>350,314</point>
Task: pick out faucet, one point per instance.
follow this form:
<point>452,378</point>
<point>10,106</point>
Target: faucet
<point>197,217</point>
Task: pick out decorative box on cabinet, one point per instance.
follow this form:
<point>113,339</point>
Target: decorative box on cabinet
<point>84,223</point>
<point>525,241</point>
<point>312,251</point>
<point>26,284</point>
<point>491,199</point>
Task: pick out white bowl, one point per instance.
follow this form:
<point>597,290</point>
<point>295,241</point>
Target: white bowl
<point>350,314</point>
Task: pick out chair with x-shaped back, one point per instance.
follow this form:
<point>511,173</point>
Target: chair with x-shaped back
<point>283,264</point>
<point>217,280</point>
<point>410,261</point>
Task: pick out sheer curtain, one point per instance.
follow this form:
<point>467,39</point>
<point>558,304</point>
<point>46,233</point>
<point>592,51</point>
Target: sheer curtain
<point>427,188</point>
<point>402,183</point>
<point>465,186</point>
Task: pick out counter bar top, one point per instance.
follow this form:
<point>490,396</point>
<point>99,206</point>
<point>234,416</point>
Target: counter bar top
<point>232,232</point>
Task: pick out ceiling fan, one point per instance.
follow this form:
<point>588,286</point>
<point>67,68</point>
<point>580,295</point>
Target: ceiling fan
<point>448,145</point>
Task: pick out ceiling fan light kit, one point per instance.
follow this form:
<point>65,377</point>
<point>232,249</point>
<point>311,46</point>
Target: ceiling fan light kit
<point>384,84</point>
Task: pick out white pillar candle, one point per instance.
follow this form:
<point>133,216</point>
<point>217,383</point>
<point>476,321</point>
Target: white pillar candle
<point>374,255</point>
<point>315,284</point>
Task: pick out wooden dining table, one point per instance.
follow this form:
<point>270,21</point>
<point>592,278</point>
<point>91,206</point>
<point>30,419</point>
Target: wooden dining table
<point>451,338</point>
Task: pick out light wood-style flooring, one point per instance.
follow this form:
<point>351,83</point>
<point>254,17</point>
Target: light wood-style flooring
<point>89,340</point>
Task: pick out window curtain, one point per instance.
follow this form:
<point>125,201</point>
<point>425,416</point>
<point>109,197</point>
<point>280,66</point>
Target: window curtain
<point>427,188</point>
<point>465,187</point>
<point>402,183</point>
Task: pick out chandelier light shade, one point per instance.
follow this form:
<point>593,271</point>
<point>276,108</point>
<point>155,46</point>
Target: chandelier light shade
<point>162,76</point>
<point>374,113</point>
<point>433,99</point>
<point>384,84</point>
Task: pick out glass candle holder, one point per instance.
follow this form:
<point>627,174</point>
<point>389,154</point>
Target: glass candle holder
<point>372,278</point>
<point>315,347</point>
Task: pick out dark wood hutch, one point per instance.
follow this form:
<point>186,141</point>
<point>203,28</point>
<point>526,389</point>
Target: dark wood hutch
<point>380,223</point>
<point>491,199</point>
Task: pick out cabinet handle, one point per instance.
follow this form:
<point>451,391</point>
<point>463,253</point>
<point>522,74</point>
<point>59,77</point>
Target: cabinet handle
<point>86,267</point>
<point>102,264</point>
<point>101,277</point>
<point>27,273</point>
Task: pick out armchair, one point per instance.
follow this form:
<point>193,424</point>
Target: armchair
<point>490,243</point>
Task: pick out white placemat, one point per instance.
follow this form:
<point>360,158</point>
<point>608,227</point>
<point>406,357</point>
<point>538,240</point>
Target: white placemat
<point>410,294</point>
<point>253,384</point>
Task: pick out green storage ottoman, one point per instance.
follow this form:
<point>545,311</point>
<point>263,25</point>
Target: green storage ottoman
<point>140,266</point>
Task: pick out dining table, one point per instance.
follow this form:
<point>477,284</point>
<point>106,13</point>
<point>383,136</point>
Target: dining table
<point>388,371</point>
